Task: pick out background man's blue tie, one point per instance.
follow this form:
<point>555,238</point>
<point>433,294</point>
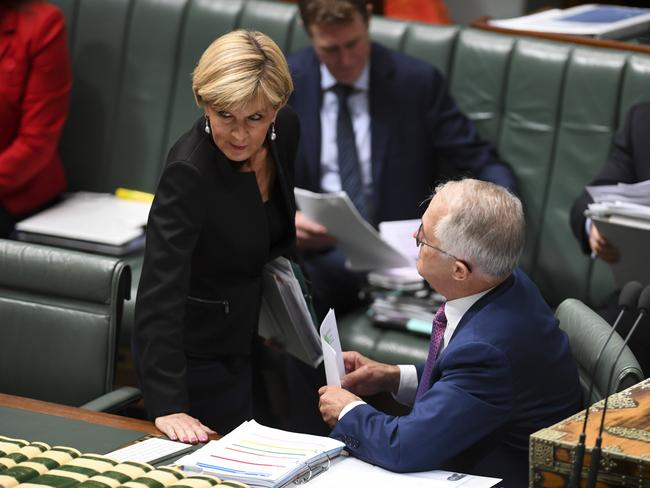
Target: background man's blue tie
<point>349,168</point>
<point>437,335</point>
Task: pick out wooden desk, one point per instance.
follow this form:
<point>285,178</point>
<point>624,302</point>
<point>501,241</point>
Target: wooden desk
<point>90,416</point>
<point>625,450</point>
<point>86,430</point>
<point>482,23</point>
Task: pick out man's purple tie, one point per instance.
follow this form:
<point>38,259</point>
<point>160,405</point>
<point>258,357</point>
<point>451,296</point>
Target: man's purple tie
<point>437,334</point>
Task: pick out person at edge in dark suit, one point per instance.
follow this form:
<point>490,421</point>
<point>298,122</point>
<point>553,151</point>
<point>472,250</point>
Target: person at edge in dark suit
<point>499,368</point>
<point>628,162</point>
<point>224,207</point>
<point>406,134</point>
<point>35,83</point>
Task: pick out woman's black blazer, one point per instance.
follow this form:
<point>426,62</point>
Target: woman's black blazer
<point>207,243</point>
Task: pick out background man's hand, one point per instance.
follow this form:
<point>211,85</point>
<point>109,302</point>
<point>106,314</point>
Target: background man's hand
<point>601,246</point>
<point>367,377</point>
<point>332,400</point>
<point>312,235</point>
<point>181,427</point>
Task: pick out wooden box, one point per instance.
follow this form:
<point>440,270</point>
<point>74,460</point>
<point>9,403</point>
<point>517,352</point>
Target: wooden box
<point>625,457</point>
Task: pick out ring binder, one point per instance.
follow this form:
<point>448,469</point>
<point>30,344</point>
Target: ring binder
<point>313,471</point>
<point>266,457</point>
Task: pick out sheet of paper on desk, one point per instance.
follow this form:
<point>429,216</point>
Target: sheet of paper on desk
<point>332,354</point>
<point>150,450</point>
<point>349,471</point>
<point>361,243</point>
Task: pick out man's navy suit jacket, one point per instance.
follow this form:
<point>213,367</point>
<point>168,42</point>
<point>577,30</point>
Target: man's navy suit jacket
<point>506,373</point>
<point>418,134</point>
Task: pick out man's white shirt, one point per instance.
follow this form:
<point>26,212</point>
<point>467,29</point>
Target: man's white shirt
<point>358,105</point>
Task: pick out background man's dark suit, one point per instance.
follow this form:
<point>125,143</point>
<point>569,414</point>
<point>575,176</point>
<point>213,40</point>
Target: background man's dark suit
<point>418,136</point>
<point>507,372</point>
<point>629,162</point>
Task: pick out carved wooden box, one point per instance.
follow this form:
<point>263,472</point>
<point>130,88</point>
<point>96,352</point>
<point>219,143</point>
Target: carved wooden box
<point>625,457</point>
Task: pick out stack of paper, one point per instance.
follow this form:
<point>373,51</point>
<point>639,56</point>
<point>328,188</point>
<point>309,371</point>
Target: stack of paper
<point>606,21</point>
<point>405,312</point>
<point>98,222</point>
<point>284,314</point>
<point>262,456</point>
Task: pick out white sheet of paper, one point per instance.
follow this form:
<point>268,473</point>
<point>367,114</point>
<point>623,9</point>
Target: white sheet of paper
<point>349,471</point>
<point>332,373</point>
<point>399,234</point>
<point>359,241</point>
<point>332,354</point>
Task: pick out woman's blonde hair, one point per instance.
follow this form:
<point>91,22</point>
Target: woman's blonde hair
<point>239,68</point>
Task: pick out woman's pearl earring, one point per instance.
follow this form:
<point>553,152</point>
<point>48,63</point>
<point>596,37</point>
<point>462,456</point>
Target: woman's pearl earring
<point>207,125</point>
<point>274,136</point>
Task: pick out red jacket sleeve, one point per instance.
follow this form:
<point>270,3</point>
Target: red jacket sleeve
<point>36,94</point>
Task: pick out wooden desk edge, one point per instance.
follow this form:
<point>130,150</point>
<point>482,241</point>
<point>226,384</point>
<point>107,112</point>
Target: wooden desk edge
<point>75,413</point>
<point>482,23</point>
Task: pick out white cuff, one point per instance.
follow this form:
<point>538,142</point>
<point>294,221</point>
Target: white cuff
<point>349,407</point>
<point>408,384</point>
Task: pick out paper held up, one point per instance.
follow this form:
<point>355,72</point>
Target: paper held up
<point>359,241</point>
<point>332,353</point>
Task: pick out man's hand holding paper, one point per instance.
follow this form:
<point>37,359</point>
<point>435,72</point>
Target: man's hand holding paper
<point>312,235</point>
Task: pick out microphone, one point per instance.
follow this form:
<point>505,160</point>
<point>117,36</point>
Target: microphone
<point>627,299</point>
<point>644,308</point>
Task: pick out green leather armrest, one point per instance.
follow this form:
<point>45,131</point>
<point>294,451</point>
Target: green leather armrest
<point>115,400</point>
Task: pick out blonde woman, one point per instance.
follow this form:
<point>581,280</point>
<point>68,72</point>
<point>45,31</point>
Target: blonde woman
<point>224,207</point>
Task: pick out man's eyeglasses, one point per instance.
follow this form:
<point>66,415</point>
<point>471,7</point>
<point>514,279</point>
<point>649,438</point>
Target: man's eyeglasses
<point>420,239</point>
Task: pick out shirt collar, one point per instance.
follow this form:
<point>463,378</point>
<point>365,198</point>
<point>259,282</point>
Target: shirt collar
<point>327,81</point>
<point>455,309</point>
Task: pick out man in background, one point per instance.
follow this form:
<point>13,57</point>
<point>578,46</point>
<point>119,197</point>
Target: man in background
<point>628,162</point>
<point>499,368</point>
<point>377,124</point>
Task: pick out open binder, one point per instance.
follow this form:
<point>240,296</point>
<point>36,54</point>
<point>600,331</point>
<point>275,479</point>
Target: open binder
<point>286,314</point>
<point>262,456</point>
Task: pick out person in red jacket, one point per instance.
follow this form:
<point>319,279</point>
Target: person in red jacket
<point>35,82</point>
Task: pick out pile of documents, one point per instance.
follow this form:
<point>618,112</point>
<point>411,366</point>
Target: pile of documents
<point>604,21</point>
<point>285,316</point>
<point>622,214</point>
<point>96,222</point>
<point>405,311</point>
<point>262,456</point>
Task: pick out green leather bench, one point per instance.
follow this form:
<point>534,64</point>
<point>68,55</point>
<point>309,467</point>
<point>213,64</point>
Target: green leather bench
<point>550,108</point>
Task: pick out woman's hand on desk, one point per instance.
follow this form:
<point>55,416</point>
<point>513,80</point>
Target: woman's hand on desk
<point>312,235</point>
<point>181,427</point>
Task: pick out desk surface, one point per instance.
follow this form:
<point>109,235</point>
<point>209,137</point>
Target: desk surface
<point>86,430</point>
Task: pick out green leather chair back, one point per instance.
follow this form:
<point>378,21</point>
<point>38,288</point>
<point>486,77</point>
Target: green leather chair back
<point>59,316</point>
<point>587,333</point>
<point>550,108</point>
